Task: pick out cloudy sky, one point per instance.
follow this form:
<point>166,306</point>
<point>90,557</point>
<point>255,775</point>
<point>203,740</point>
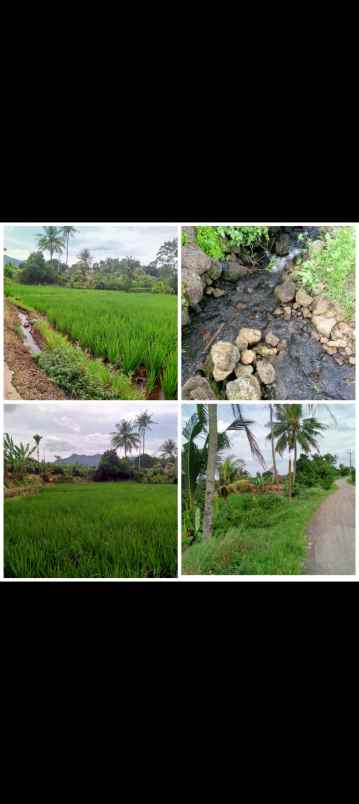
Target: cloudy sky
<point>141,242</point>
<point>336,440</point>
<point>85,427</point>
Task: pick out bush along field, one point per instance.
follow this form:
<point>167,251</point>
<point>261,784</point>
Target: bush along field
<point>108,328</point>
<point>234,523</point>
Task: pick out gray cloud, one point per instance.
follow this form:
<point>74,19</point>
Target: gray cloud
<point>85,427</point>
<point>338,439</point>
<point>141,242</point>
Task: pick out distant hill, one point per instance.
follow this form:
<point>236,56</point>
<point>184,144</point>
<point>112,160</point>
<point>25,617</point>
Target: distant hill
<point>82,460</point>
<point>12,260</point>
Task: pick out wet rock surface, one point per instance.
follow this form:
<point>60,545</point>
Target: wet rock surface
<point>288,339</point>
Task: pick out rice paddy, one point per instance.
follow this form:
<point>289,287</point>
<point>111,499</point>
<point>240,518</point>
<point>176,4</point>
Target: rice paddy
<point>109,530</point>
<point>129,330</point>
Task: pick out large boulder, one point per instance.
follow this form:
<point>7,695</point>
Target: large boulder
<point>243,371</point>
<point>225,357</point>
<point>197,387</point>
<point>271,339</point>
<point>320,305</point>
<point>192,285</point>
<point>249,336</point>
<point>266,372</point>
<point>194,259</point>
<point>190,234</point>
<point>286,292</point>
<point>323,325</point>
<point>185,316</point>
<point>282,244</point>
<point>243,388</point>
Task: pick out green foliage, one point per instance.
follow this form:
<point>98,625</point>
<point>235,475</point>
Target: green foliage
<point>316,471</point>
<point>35,271</point>
<point>111,468</point>
<point>333,265</point>
<point>217,240</point>
<point>16,456</point>
<point>9,271</point>
<point>126,330</point>
<point>184,238</point>
<point>83,530</point>
<point>262,538</point>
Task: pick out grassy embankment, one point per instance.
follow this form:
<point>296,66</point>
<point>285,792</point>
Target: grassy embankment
<point>106,530</point>
<point>334,266</point>
<point>256,535</point>
<point>125,330</point>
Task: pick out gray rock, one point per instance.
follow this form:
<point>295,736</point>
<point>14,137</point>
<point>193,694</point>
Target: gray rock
<point>225,357</point>
<point>243,388</point>
<point>243,371</point>
<point>248,357</point>
<point>266,351</point>
<point>320,305</point>
<point>303,298</point>
<point>285,293</point>
<point>197,387</point>
<point>185,316</point>
<point>266,372</point>
<point>343,330</point>
<point>192,285</point>
<point>215,271</point>
<point>323,325</point>
<point>190,232</point>
<point>235,271</point>
<point>217,292</point>
<point>282,244</point>
<point>194,259</point>
<point>249,335</point>
<point>271,339</point>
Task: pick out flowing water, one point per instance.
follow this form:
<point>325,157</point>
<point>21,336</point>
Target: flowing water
<point>304,370</point>
<point>26,335</point>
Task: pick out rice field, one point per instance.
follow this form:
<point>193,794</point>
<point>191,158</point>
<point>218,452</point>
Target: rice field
<point>106,530</point>
<point>127,329</point>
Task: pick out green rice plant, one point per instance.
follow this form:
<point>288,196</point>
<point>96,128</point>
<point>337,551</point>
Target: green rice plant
<point>109,530</point>
<point>169,380</point>
<point>127,330</point>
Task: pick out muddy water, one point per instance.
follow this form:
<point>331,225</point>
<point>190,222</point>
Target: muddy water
<point>26,334</point>
<point>303,371</point>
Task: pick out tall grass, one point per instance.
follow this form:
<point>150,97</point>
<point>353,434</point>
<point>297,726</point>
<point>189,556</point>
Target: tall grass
<point>110,530</point>
<point>126,329</point>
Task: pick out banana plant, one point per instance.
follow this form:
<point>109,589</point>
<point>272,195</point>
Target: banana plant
<point>16,456</point>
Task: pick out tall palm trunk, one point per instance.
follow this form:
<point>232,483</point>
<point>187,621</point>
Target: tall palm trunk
<point>295,461</point>
<point>67,250</point>
<point>211,471</point>
<point>290,477</point>
<point>273,447</point>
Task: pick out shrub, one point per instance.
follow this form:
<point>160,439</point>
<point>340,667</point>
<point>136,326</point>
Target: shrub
<point>112,468</point>
<point>217,240</point>
<point>36,271</point>
<point>334,265</point>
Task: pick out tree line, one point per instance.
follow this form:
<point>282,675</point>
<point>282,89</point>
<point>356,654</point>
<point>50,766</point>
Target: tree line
<point>112,273</point>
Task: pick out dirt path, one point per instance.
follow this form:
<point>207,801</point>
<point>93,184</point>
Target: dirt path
<point>331,534</point>
<point>10,391</point>
<point>22,375</point>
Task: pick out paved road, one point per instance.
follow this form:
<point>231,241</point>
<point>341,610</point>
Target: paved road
<point>10,391</point>
<point>331,534</point>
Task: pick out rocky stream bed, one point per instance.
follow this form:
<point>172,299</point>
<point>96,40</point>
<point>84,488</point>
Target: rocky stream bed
<point>252,333</point>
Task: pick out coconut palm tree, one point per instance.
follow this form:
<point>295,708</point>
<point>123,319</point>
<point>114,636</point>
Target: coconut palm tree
<point>292,430</point>
<point>52,241</point>
<point>68,232</point>
<point>126,437</point>
<point>37,438</point>
<point>203,461</point>
<point>144,422</point>
<point>168,449</point>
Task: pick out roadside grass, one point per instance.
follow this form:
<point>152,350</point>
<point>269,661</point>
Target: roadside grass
<point>334,265</point>
<point>107,530</point>
<point>256,535</point>
<point>128,330</point>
